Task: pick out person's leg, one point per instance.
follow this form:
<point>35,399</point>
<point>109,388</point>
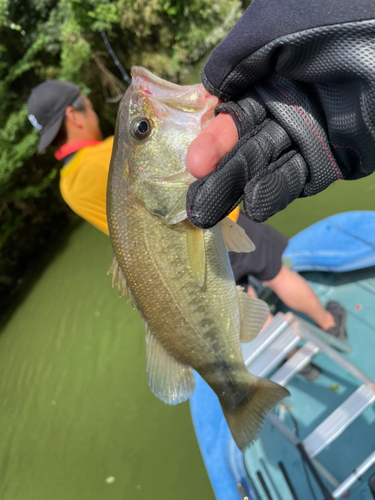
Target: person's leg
<point>265,264</point>
<point>296,294</point>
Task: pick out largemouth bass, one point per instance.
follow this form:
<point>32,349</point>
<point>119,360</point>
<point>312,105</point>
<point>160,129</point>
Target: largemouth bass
<point>177,275</point>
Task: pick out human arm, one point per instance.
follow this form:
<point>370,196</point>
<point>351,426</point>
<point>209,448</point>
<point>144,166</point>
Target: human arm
<point>84,190</point>
<point>298,79</point>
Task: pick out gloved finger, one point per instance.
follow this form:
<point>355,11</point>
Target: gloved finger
<point>248,113</point>
<point>275,187</point>
<point>213,197</point>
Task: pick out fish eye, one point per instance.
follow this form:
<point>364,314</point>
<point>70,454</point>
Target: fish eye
<point>140,128</point>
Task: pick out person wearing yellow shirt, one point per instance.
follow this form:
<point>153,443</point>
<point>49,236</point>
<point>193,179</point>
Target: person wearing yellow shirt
<point>67,121</point>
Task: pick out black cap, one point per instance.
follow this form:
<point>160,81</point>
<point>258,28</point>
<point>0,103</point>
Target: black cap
<point>46,107</point>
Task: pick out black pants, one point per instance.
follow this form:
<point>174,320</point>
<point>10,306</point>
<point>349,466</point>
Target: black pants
<point>265,262</point>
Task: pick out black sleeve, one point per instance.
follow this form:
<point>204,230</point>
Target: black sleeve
<point>267,39</point>
<point>303,55</point>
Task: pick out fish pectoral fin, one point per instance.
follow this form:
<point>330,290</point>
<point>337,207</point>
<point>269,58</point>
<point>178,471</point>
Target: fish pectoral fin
<point>235,238</point>
<point>178,211</point>
<point>170,380</point>
<point>196,253</point>
<point>253,314</point>
<point>181,178</point>
<point>118,279</point>
<point>166,199</point>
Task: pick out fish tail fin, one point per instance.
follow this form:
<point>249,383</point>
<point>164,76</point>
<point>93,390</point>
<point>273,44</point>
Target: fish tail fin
<point>245,421</point>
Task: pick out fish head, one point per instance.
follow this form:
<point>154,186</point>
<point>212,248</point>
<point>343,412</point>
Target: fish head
<point>156,122</point>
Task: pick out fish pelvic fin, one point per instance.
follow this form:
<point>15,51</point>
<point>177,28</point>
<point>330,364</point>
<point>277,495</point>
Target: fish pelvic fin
<point>245,421</point>
<point>253,314</point>
<point>119,279</point>
<point>235,238</point>
<point>170,380</point>
<point>196,253</point>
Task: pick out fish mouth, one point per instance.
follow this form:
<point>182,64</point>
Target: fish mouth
<point>187,98</point>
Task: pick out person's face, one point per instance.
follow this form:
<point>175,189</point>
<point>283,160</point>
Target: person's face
<point>91,121</point>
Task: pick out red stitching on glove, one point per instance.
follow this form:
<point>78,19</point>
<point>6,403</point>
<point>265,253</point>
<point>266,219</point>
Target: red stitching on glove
<point>237,116</point>
<point>313,128</point>
<point>359,156</point>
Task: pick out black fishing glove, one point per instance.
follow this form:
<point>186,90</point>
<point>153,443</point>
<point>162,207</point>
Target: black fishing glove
<point>298,78</point>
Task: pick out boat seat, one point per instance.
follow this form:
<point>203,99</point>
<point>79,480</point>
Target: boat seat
<point>269,350</point>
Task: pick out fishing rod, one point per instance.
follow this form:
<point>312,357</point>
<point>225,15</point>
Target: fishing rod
<point>307,460</point>
<point>287,480</point>
<point>115,59</point>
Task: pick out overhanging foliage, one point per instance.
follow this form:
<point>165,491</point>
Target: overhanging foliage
<point>61,39</point>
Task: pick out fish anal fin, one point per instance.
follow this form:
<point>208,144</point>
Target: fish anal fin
<point>196,252</point>
<point>245,421</point>
<point>253,314</point>
<point>169,379</point>
<point>235,238</point>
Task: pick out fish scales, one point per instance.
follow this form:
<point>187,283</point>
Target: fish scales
<point>164,273</point>
<point>191,311</point>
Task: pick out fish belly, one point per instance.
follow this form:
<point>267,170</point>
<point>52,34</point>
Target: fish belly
<point>199,326</point>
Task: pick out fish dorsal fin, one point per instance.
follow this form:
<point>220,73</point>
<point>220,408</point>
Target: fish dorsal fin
<point>235,238</point>
<point>169,379</point>
<point>196,252</point>
<point>253,314</point>
<point>118,279</point>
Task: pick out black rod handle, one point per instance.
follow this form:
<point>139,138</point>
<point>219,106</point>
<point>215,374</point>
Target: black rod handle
<point>288,481</point>
<point>306,458</point>
<point>264,486</point>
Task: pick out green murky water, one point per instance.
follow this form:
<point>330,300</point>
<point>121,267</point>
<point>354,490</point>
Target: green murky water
<point>342,196</point>
<point>75,407</point>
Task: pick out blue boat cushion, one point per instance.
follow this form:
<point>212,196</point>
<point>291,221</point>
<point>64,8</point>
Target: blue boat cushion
<point>342,242</point>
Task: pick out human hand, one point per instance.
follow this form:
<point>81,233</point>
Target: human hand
<point>262,168</point>
<point>298,78</point>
